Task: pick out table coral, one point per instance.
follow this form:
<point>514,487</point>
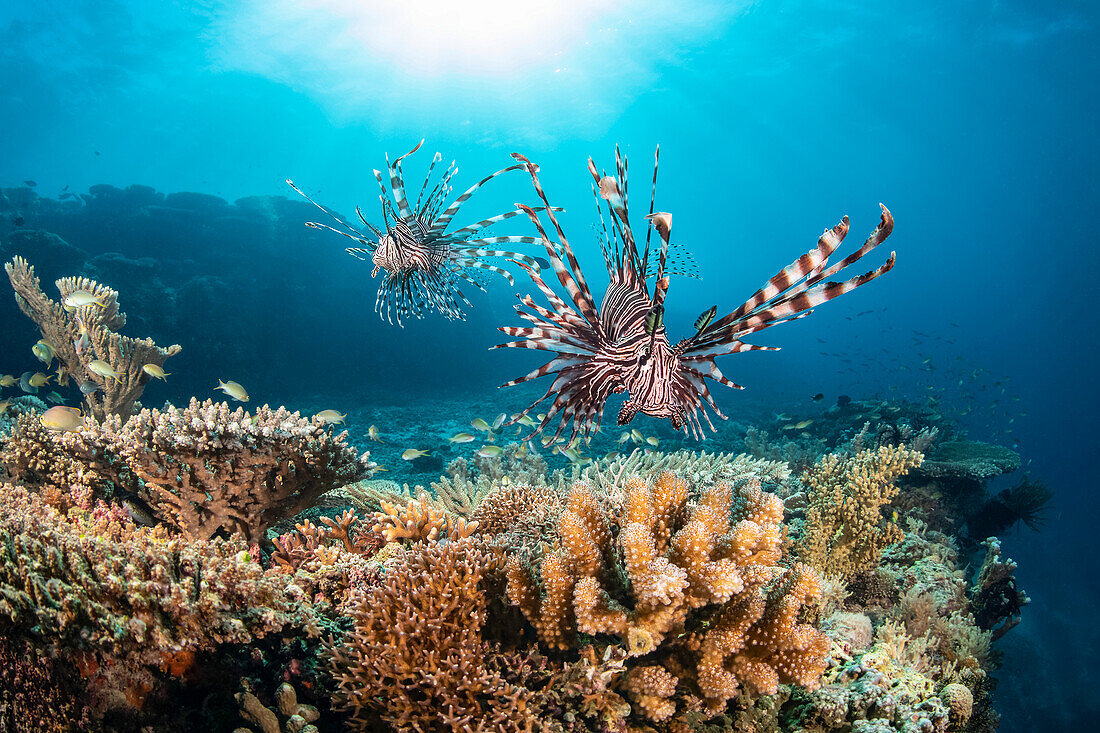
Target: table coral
<point>845,532</point>
<point>713,553</point>
<point>207,468</point>
<point>60,326</point>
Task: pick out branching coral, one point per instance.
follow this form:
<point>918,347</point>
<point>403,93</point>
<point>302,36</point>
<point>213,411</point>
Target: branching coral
<point>207,468</point>
<point>416,657</point>
<point>715,554</point>
<point>845,532</point>
<point>995,598</point>
<point>78,335</point>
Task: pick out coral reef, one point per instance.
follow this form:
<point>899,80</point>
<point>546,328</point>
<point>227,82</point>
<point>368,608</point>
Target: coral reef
<point>129,604</point>
<point>79,335</point>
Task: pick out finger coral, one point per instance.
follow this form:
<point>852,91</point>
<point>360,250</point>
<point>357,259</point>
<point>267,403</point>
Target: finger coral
<point>845,532</point>
<point>81,334</point>
<point>207,468</point>
<point>679,557</point>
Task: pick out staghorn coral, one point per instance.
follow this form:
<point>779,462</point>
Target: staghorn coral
<point>714,553</point>
<point>61,328</point>
<point>207,468</point>
<point>416,657</point>
<point>845,532</point>
<point>700,468</point>
<point>128,605</point>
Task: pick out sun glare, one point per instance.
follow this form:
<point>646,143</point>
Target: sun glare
<point>471,36</point>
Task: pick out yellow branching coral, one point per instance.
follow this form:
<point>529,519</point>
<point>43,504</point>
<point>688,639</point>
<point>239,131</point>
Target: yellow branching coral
<point>714,553</point>
<point>86,332</point>
<point>420,520</point>
<point>845,530</point>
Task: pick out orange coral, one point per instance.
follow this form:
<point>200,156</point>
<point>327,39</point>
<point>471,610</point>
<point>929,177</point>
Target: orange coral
<point>416,657</point>
<point>420,520</point>
<point>678,552</point>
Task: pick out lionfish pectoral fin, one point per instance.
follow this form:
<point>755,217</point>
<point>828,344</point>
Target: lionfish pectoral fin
<point>627,412</point>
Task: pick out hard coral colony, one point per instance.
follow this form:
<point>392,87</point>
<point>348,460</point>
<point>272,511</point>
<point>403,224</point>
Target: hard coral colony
<point>622,346</point>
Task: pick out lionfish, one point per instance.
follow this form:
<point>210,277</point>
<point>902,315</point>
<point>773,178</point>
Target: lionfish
<point>423,263</point>
<point>623,346</point>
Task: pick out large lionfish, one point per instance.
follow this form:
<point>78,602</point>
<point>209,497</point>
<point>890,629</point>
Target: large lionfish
<point>623,345</point>
<point>423,263</point>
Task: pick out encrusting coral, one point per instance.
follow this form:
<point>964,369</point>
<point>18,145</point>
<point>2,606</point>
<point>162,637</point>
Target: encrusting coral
<point>78,335</point>
<point>845,532</point>
<point>715,552</point>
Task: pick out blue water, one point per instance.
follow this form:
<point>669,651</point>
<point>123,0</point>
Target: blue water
<point>975,122</point>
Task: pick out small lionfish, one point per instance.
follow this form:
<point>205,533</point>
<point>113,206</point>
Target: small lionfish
<point>624,347</point>
<point>422,262</point>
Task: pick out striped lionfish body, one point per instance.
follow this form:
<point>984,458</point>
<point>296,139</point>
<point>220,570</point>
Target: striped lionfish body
<point>423,264</point>
<point>623,346</point>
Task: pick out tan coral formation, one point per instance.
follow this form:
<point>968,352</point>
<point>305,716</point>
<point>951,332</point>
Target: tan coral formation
<point>419,520</point>
<point>60,327</point>
<point>678,552</point>
<point>845,531</point>
<point>207,468</point>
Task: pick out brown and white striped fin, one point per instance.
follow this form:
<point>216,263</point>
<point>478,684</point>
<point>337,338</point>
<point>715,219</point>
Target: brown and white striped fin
<point>439,225</point>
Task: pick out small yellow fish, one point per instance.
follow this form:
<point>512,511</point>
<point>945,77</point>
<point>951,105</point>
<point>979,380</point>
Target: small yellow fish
<point>413,453</point>
<point>43,352</point>
<point>527,421</point>
<point>895,515</point>
<point>652,441</point>
<point>66,419</point>
<point>499,421</point>
<point>636,436</point>
<point>103,369</point>
<point>373,434</point>
<point>8,381</point>
<point>623,438</point>
<point>233,389</point>
<point>462,438</point>
<point>803,424</point>
<point>489,451</point>
<point>81,298</point>
<point>38,379</point>
<point>479,424</point>
<point>330,417</point>
<point>155,371</point>
<point>505,481</point>
<point>4,406</point>
<point>541,416</point>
